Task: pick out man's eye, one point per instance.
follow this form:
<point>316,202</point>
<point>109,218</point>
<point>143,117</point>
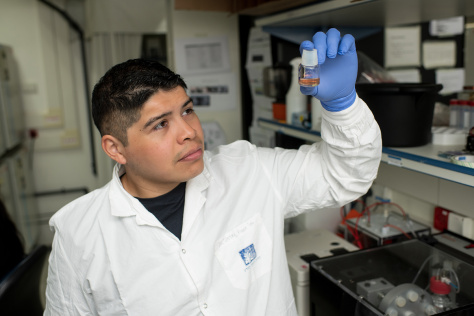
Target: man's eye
<point>161,125</point>
<point>188,111</point>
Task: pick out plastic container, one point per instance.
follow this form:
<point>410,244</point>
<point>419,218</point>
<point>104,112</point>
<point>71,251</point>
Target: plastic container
<point>464,160</point>
<point>471,106</point>
<point>316,116</point>
<point>454,114</point>
<point>404,111</point>
<point>465,110</point>
<point>296,102</point>
<point>279,111</point>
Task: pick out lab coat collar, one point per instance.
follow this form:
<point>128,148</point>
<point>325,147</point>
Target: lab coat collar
<point>195,199</point>
<point>125,205</point>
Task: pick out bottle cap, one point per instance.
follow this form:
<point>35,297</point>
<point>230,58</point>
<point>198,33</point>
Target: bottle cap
<point>439,287</point>
<point>309,57</point>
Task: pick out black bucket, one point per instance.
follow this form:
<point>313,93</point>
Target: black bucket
<point>404,111</point>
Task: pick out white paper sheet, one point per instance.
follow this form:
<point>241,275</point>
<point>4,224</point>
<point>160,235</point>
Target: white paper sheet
<point>437,54</point>
<point>402,46</point>
<point>211,92</point>
<point>451,79</point>
<point>202,55</point>
<point>258,57</point>
<point>447,27</point>
<point>406,75</point>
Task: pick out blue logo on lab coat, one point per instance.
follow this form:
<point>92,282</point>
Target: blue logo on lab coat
<point>248,254</point>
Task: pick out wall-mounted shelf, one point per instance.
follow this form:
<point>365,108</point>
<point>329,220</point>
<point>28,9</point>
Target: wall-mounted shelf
<point>298,132</point>
<point>423,159</point>
<point>368,13</point>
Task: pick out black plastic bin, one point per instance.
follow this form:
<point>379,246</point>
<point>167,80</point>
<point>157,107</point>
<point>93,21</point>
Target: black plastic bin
<point>404,111</point>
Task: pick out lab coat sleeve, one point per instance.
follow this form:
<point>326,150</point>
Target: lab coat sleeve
<point>64,294</point>
<point>332,172</point>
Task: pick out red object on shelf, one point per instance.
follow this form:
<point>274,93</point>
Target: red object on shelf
<point>441,218</point>
<point>279,111</point>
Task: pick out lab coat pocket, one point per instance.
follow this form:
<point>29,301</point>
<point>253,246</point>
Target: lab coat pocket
<point>245,253</point>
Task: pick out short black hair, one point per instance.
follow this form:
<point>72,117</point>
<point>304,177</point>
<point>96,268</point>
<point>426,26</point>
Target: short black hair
<point>120,94</point>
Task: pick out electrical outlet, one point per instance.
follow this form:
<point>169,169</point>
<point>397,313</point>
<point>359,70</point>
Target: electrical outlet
<point>455,223</point>
<point>468,228</point>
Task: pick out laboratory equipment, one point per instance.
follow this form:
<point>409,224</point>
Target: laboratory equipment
<point>308,70</point>
<point>396,280</point>
<point>316,114</point>
<point>11,110</point>
<point>404,111</point>
<point>383,227</point>
<point>301,249</point>
<point>16,182</point>
<point>296,102</point>
<point>454,113</point>
<point>276,81</point>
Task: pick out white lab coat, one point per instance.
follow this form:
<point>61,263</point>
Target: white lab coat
<point>112,257</point>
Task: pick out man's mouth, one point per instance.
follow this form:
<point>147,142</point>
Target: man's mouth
<point>192,155</point>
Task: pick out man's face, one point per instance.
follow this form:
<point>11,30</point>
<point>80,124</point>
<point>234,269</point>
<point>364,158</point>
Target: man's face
<point>165,146</point>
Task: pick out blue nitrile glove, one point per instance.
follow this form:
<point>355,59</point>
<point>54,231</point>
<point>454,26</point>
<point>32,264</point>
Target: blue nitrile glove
<point>337,60</point>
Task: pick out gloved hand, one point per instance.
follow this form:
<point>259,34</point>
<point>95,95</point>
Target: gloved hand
<point>337,60</point>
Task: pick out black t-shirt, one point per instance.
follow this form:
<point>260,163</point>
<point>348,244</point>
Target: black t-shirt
<point>168,208</point>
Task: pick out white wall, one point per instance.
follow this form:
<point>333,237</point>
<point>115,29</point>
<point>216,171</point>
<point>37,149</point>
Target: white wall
<point>47,52</point>
<point>189,24</point>
<point>52,87</point>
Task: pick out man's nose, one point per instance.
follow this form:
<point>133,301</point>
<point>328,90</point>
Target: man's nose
<point>186,131</point>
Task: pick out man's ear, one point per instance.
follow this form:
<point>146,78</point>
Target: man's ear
<point>113,148</point>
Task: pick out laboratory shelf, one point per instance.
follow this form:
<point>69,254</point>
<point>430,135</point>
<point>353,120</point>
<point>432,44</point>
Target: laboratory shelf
<point>368,13</point>
<point>298,132</point>
<point>423,159</point>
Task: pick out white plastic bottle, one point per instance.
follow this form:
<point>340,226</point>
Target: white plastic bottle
<point>296,102</point>
<point>454,114</point>
<point>471,105</point>
<point>465,114</point>
<point>316,118</point>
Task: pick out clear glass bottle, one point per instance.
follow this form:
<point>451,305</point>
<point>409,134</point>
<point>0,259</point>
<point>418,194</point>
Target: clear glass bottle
<point>308,70</point>
<point>441,302</point>
<point>440,291</point>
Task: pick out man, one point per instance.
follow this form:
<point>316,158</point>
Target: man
<point>181,231</point>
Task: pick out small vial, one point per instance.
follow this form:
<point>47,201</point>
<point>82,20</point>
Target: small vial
<point>466,114</point>
<point>471,106</point>
<point>454,113</point>
<point>308,70</point>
